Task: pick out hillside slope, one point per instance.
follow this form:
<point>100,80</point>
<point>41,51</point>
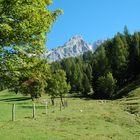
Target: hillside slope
<point>83,119</point>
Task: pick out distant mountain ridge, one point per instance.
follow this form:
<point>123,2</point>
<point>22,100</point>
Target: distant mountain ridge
<point>72,48</point>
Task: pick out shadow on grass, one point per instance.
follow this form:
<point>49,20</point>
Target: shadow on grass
<point>30,107</point>
<point>15,99</point>
<point>88,98</point>
<point>80,96</point>
<point>131,99</point>
<point>128,88</point>
<point>132,103</point>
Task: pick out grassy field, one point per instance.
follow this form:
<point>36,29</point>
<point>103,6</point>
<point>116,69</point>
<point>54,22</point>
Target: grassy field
<point>83,119</point>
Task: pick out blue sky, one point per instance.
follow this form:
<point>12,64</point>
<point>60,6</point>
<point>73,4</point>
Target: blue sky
<point>93,19</point>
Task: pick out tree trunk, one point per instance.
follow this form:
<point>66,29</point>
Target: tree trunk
<point>52,99</point>
<point>32,97</point>
<point>61,97</point>
<point>16,90</point>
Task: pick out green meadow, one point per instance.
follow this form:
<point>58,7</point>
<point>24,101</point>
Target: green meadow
<point>83,119</point>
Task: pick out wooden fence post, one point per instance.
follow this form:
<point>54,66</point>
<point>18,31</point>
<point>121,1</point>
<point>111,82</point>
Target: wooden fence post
<point>60,106</point>
<point>33,110</point>
<point>53,108</point>
<point>13,112</point>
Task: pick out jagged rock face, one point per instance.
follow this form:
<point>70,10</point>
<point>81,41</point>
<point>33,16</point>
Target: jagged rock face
<point>74,47</point>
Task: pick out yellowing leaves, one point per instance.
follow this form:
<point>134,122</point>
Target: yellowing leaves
<point>6,28</point>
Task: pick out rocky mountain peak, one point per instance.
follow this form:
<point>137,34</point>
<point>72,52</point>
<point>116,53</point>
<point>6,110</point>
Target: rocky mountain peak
<point>73,41</point>
<point>72,48</point>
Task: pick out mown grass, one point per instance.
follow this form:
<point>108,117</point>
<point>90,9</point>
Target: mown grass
<point>83,119</point>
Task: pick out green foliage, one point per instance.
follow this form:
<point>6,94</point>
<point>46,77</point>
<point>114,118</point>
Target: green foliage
<point>100,63</point>
<point>57,85</point>
<point>86,85</point>
<point>25,23</point>
<point>34,80</point>
<point>87,57</point>
<point>17,68</point>
<point>134,66</point>
<point>32,87</point>
<point>106,86</point>
<point>78,73</point>
<point>126,31</point>
<point>119,55</point>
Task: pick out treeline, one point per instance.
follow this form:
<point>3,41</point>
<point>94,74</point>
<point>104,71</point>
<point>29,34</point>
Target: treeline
<point>101,74</point>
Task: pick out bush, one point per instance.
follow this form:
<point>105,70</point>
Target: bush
<point>106,86</point>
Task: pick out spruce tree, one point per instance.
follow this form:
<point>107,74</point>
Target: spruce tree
<point>119,58</point>
<point>134,67</point>
<point>86,85</point>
